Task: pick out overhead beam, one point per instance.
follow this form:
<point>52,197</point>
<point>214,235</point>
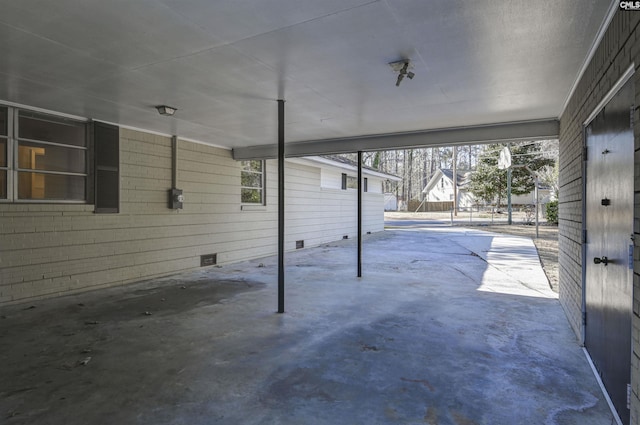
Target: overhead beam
<point>523,130</point>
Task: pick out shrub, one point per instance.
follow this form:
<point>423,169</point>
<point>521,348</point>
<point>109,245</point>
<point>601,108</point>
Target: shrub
<point>552,212</point>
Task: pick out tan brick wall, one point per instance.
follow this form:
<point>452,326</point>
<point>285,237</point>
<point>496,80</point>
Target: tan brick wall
<point>53,249</point>
<point>619,48</point>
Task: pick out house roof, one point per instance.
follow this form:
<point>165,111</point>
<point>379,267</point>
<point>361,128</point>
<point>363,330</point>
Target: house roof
<point>345,164</point>
<point>223,64</point>
<point>462,178</point>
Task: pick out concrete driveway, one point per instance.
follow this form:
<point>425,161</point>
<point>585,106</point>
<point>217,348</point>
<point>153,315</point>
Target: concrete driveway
<point>447,326</point>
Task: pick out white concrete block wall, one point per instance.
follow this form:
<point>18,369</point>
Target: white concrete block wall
<point>53,249</point>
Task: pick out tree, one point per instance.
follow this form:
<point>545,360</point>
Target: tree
<point>490,183</point>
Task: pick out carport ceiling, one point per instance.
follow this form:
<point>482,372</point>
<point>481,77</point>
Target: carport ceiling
<point>224,63</point>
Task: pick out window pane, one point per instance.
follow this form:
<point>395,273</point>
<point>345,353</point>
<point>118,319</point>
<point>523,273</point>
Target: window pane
<point>3,152</point>
<point>352,182</point>
<point>253,196</point>
<point>51,186</point>
<point>34,156</point>
<point>3,184</point>
<point>51,129</point>
<point>252,165</point>
<point>251,179</point>
<point>3,121</point>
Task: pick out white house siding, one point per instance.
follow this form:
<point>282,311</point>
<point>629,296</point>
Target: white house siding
<point>53,249</point>
<point>318,215</point>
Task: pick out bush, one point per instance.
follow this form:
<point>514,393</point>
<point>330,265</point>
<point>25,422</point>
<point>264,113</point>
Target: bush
<point>552,212</point>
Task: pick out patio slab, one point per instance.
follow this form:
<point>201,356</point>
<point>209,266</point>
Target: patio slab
<point>446,326</point>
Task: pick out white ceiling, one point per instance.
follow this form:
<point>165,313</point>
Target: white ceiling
<point>223,63</point>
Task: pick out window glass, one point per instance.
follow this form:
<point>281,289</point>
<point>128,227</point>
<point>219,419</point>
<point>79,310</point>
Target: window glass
<point>252,182</point>
<point>253,196</point>
<point>251,179</point>
<point>51,186</point>
<point>45,156</point>
<point>33,156</point>
<point>51,129</point>
<point>352,182</point>
<point>3,121</point>
<point>255,165</point>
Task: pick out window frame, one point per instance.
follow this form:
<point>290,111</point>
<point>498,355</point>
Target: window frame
<point>263,182</point>
<point>13,169</point>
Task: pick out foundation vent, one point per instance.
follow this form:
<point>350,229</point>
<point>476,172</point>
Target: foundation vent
<point>299,244</point>
<point>208,260</point>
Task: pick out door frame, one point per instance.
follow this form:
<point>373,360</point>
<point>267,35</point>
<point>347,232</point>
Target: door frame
<point>626,76</point>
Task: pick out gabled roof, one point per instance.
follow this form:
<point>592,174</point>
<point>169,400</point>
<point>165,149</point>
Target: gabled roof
<point>463,177</point>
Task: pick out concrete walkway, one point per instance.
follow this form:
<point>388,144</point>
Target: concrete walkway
<point>447,326</point>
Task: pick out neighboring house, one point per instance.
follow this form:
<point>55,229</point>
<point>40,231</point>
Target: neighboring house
<point>66,231</point>
<point>440,189</point>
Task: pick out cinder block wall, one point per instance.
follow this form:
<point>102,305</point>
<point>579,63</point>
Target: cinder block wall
<point>617,51</point>
<point>54,249</point>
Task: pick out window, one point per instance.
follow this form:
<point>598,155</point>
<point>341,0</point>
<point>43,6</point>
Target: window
<point>42,157</point>
<point>252,182</point>
<point>349,182</point>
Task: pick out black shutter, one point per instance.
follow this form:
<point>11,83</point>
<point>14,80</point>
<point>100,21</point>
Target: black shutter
<point>344,181</point>
<point>107,167</point>
<point>366,185</point>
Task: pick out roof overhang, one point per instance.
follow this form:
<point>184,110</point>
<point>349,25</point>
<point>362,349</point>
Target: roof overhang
<point>528,130</point>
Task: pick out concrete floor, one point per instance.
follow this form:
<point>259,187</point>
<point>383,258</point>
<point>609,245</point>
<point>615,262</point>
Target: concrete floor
<point>447,326</point>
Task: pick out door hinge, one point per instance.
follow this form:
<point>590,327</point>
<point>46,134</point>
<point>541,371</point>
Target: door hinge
<point>628,396</point>
<point>584,236</point>
<point>585,153</point>
<point>584,318</point>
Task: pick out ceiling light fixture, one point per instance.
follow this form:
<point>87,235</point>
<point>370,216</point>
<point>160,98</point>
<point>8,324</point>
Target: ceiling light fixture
<point>166,110</point>
<point>402,68</point>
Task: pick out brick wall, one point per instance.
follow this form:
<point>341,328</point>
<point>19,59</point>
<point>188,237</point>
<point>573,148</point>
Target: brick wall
<point>619,48</point>
<point>53,249</point>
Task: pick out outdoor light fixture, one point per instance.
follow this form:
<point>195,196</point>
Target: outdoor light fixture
<point>166,110</point>
<point>402,68</point>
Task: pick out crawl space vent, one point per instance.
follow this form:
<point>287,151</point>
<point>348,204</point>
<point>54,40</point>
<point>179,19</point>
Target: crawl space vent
<point>208,260</point>
<point>299,244</point>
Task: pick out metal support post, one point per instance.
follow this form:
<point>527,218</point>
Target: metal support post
<point>509,207</point>
<point>360,213</point>
<point>537,205</point>
<point>280,206</point>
